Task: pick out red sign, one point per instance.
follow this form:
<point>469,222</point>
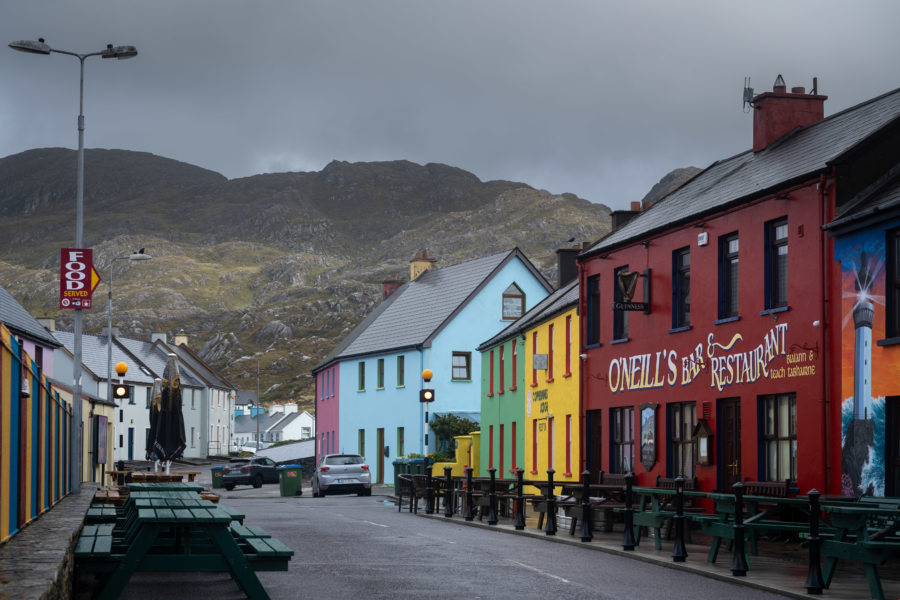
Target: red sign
<point>77,277</point>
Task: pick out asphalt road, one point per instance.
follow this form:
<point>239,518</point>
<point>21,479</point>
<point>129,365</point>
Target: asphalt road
<point>352,547</point>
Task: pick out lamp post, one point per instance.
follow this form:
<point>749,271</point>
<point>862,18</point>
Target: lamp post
<point>139,255</point>
<point>119,52</point>
<point>258,404</point>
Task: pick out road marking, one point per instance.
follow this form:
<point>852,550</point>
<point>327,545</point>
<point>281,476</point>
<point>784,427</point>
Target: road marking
<point>545,573</point>
<point>375,524</point>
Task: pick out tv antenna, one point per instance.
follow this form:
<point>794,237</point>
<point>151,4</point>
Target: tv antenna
<point>748,95</point>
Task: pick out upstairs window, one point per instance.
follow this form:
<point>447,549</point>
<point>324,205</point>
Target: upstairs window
<point>568,346</point>
<point>462,366</point>
<point>491,371</point>
<point>515,364</point>
<point>502,369</point>
<point>593,310</point>
<point>513,303</point>
<point>401,370</point>
<point>380,375</point>
<point>550,352</point>
<point>681,288</point>
<point>361,379</point>
<point>776,284</point>
<point>620,317</point>
<point>728,276</point>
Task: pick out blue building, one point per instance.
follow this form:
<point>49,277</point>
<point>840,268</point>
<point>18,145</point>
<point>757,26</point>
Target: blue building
<point>434,321</point>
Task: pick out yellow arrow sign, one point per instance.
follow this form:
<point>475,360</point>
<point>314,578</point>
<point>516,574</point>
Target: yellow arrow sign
<point>95,279</point>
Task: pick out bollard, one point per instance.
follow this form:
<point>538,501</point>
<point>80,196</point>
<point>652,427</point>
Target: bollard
<point>586,535</point>
<point>470,513</point>
<point>429,491</point>
<point>550,529</point>
<point>814,583</point>
<point>520,499</point>
<point>492,498</point>
<point>628,514</point>
<point>679,553</point>
<point>739,565</point>
<point>448,492</point>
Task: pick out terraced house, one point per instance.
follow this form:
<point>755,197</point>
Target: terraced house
<point>367,389</point>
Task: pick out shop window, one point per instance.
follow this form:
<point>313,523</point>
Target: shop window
<point>779,436</point>
<point>622,439</point>
<point>682,444</point>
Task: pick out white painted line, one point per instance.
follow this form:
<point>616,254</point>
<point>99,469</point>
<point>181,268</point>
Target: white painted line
<point>375,524</point>
<point>545,573</point>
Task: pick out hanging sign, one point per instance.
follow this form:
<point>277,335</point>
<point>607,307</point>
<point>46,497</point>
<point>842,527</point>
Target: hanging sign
<point>77,278</point>
<point>627,282</point>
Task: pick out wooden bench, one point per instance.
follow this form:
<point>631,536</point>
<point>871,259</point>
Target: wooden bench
<point>775,489</point>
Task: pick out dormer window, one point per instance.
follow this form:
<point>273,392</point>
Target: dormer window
<point>513,303</point>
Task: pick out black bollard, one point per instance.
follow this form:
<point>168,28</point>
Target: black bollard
<point>739,565</point>
<point>814,583</point>
<point>492,498</point>
<point>679,552</point>
<point>520,499</point>
<point>550,529</point>
<point>429,491</point>
<point>470,512</point>
<point>586,535</point>
<point>448,492</point>
<point>628,514</point>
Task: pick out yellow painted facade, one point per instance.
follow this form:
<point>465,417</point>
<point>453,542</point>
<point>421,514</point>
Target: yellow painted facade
<point>552,432</point>
<point>467,451</point>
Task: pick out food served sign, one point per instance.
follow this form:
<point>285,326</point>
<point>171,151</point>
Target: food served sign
<point>77,277</point>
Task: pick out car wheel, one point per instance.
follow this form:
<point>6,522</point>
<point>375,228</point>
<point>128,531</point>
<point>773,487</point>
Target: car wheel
<point>257,481</point>
<point>229,486</point>
<point>369,492</point>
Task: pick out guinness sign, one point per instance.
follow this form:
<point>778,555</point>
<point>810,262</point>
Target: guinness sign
<point>627,282</point>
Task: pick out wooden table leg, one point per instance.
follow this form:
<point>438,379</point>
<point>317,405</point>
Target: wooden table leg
<point>241,570</point>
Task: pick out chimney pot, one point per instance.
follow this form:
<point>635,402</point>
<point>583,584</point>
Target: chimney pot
<point>636,205</point>
<point>779,113</point>
<point>779,87</point>
<point>798,90</point>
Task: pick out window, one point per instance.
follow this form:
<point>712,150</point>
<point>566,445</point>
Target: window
<point>593,310</point>
<point>491,447</point>
<point>683,446</point>
<point>400,441</point>
<point>193,399</point>
<point>462,365</point>
<point>779,429</point>
<point>568,445</point>
<point>620,317</point>
<point>681,288</point>
<point>550,352</point>
<point>513,303</point>
<point>121,415</point>
<point>147,394</point>
<point>534,445</point>
<point>361,378</point>
<point>362,442</point>
<point>728,276</point>
<point>622,439</point>
<point>193,437</point>
<point>512,443</point>
<point>515,364</point>
<point>401,371</point>
<point>776,284</point>
<point>892,283</point>
<point>568,346</point>
<point>501,449</point>
<point>491,374</point>
<point>534,349</point>
<point>550,442</point>
<point>502,368</point>
<point>379,383</point>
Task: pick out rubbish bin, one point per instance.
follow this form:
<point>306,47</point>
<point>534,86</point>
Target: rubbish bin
<point>217,472</point>
<point>290,479</point>
<point>417,465</point>
<point>399,469</point>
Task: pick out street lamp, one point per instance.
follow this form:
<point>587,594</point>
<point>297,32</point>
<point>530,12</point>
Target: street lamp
<point>121,53</point>
<point>139,255</point>
<point>258,404</point>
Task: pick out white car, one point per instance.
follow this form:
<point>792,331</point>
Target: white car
<point>342,474</point>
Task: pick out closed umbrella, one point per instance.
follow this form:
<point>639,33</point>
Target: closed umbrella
<point>169,442</point>
<point>155,400</point>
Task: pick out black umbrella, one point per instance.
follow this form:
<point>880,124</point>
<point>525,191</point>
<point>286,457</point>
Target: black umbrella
<point>155,401</point>
<point>169,441</point>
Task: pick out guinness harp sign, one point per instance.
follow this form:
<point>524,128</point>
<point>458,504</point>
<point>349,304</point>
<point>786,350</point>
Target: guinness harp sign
<point>627,282</point>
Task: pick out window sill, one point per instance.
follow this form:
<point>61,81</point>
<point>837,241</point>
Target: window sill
<point>361,390</point>
<point>460,381</point>
<point>567,474</point>
<point>513,388</point>
<point>726,320</point>
<point>534,472</point>
<point>379,389</point>
<point>589,346</point>
<point>500,393</point>
<point>771,311</point>
<point>680,329</point>
<point>490,395</point>
<point>567,374</point>
<point>619,341</point>
<point>534,385</point>
<point>550,380</point>
<point>400,387</point>
<point>891,341</point>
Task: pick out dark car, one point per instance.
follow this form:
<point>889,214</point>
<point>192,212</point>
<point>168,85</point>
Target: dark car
<point>254,471</point>
<point>342,474</point>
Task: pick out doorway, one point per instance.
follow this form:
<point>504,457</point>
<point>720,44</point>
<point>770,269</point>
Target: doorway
<point>729,416</point>
<point>131,443</point>
<point>892,446</point>
<point>380,445</point>
<point>594,444</point>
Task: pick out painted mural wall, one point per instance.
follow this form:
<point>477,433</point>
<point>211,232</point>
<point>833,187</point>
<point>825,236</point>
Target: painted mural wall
<point>868,373</point>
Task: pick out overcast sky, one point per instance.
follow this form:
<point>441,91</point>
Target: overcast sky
<point>598,98</point>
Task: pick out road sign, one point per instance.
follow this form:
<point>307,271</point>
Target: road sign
<point>77,277</point>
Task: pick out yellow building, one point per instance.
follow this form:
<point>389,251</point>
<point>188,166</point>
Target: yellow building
<point>552,399</point>
<point>98,423</point>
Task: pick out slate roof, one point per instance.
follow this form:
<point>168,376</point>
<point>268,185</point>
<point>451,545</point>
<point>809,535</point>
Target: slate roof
<point>93,356</point>
<point>211,377</point>
<point>287,420</point>
<point>19,321</point>
<point>880,204</point>
<point>247,424</point>
<point>154,358</point>
<point>85,395</point>
<point>796,157</point>
<point>557,302</point>
<point>418,310</point>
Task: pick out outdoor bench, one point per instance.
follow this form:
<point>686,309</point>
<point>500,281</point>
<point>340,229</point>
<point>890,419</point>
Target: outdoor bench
<point>655,508</point>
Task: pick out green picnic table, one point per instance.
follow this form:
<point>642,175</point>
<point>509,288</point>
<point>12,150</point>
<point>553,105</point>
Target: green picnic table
<point>165,534</point>
<point>168,486</point>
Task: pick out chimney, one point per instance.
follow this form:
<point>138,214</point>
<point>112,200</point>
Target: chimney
<point>158,336</point>
<point>389,286</point>
<point>778,112</point>
<point>566,265</point>
<point>181,338</point>
<point>48,323</point>
<point>618,218</point>
<point>421,263</point>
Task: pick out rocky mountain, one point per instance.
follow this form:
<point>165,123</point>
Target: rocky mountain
<point>277,266</point>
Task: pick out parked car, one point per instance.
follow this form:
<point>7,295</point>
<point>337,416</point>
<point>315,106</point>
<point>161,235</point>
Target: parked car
<point>342,474</point>
<point>254,471</point>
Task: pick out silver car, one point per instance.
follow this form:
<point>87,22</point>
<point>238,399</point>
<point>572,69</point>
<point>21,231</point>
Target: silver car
<point>342,474</point>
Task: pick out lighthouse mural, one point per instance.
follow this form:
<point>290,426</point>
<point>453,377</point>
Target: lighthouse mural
<point>863,410</point>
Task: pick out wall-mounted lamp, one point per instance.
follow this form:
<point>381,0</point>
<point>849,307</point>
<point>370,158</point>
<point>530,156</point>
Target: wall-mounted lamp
<point>26,389</point>
<point>582,356</point>
<point>701,225</point>
<point>645,244</point>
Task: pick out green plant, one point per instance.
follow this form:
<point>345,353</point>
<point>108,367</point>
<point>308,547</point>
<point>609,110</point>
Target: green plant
<point>447,427</point>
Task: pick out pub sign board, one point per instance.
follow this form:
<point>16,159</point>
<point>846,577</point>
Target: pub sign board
<point>77,278</point>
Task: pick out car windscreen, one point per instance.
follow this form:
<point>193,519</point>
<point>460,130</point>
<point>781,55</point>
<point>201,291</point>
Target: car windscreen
<point>343,460</point>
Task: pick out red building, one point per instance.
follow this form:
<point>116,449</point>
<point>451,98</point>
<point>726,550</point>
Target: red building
<point>706,334</point>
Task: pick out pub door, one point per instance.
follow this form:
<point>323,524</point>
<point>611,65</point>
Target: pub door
<point>594,444</point>
<point>892,446</point>
<point>729,416</point>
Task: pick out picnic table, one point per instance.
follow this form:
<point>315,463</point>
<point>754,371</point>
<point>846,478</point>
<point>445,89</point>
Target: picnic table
<point>867,534</point>
<point>177,534</point>
<point>605,497</point>
<point>654,508</point>
<point>165,486</point>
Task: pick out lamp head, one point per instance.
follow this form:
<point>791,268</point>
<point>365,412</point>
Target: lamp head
<point>30,46</point>
<point>121,369</point>
<point>120,52</point>
<point>139,255</point>
<point>427,374</point>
